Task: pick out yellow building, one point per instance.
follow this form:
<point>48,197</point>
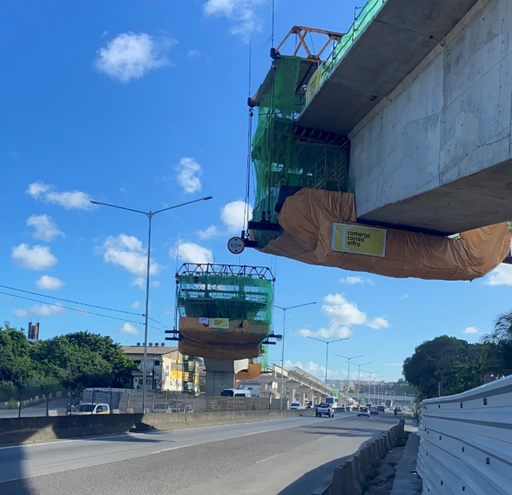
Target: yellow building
<point>167,369</point>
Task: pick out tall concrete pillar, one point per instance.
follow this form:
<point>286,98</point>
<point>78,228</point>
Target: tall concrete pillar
<point>220,374</point>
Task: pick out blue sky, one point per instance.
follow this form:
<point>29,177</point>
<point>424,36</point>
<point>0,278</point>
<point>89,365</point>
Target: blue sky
<point>143,104</point>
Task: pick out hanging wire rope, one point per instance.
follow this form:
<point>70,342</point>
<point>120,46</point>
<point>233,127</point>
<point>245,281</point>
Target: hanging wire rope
<point>249,142</point>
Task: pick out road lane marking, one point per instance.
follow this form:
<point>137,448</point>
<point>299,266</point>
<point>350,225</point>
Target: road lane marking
<point>170,448</point>
<point>255,433</point>
<point>268,458</point>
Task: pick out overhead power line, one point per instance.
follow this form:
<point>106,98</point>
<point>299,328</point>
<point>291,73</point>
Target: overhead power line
<point>79,310</point>
<point>71,302</point>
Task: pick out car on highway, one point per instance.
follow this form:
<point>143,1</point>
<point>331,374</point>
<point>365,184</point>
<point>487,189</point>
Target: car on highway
<point>295,405</point>
<point>324,410</point>
<point>374,410</point>
<point>89,408</point>
<point>309,404</point>
<point>381,408</point>
<point>172,408</point>
<point>363,411</point>
<point>235,392</point>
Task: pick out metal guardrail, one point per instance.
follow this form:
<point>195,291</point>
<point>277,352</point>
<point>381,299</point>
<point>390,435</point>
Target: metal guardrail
<point>466,441</point>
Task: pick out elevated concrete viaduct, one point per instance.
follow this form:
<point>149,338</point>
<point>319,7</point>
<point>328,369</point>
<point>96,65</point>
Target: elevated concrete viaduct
<point>424,95</point>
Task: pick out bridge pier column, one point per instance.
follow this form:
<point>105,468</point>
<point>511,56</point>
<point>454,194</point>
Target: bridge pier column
<point>220,374</point>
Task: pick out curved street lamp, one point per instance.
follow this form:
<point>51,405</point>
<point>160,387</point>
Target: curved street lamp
<point>285,309</point>
<point>327,343</point>
<point>150,215</point>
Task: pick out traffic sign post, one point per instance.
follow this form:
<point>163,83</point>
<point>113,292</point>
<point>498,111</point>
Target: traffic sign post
<point>236,245</point>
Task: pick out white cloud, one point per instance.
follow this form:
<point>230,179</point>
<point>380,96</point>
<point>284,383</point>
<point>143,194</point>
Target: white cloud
<point>209,232</point>
<point>127,251</point>
<point>39,310</point>
<point>130,56</point>
<point>194,53</point>
<point>33,258</point>
<point>128,329</point>
<point>342,314</point>
<point>378,323</point>
<point>404,296</point>
<point>355,280</point>
<point>49,283</point>
<point>333,332</point>
<point>37,189</point>
<point>189,172</point>
<point>501,275</point>
<point>192,253</point>
<point>140,282</point>
<point>470,330</point>
<point>341,311</point>
<point>242,14</point>
<point>45,228</point>
<point>136,304</point>
<point>233,216</point>
<point>67,199</point>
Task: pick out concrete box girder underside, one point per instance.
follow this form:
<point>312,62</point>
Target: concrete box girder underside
<point>474,201</point>
<point>401,35</point>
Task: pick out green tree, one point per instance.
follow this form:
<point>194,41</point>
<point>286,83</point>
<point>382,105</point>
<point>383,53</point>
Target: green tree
<point>448,362</point>
<point>497,357</point>
<point>82,359</point>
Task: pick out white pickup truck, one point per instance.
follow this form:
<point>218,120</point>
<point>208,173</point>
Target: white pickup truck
<point>324,410</point>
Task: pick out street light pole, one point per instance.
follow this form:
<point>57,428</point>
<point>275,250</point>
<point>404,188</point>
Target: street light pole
<point>348,367</point>
<point>359,380</point>
<point>282,348</point>
<point>370,373</point>
<point>327,343</point>
<point>149,215</point>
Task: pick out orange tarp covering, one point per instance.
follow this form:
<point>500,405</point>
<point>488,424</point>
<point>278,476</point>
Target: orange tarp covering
<point>242,339</point>
<point>307,218</point>
<point>253,370</point>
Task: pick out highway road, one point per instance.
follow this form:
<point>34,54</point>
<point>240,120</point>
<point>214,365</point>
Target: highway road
<point>291,456</point>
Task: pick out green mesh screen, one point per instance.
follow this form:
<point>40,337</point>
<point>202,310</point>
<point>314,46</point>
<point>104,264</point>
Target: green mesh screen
<point>364,17</point>
<point>225,296</point>
<point>285,154</point>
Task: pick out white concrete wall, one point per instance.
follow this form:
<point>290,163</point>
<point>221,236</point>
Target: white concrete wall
<point>450,118</point>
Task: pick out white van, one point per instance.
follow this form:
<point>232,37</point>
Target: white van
<point>235,392</point>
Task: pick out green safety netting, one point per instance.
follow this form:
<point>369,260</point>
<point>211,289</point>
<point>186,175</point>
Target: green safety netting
<point>285,154</point>
<point>364,17</point>
<point>225,296</point>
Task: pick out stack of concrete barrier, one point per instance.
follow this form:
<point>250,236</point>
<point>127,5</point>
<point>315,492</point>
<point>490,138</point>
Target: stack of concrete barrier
<point>163,421</point>
<point>44,429</point>
<point>349,478</point>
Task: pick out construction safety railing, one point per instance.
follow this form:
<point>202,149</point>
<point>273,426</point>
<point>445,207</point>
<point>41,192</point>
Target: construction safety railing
<point>362,17</point>
<point>466,441</point>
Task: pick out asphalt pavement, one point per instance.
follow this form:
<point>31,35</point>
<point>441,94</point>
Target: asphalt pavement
<point>291,456</point>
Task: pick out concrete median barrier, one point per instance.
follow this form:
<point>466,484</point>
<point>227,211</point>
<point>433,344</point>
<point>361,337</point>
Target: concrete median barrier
<point>351,475</point>
<point>45,429</point>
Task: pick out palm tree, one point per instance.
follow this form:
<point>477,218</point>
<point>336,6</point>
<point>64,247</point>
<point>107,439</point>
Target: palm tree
<point>497,358</point>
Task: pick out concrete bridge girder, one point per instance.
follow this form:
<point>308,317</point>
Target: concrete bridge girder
<point>402,102</point>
